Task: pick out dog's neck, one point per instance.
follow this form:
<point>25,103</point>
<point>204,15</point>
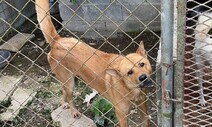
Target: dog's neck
<point>116,87</point>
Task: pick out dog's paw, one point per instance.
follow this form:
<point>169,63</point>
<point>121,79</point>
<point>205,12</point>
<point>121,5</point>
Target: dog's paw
<point>65,106</point>
<point>202,102</point>
<point>76,114</point>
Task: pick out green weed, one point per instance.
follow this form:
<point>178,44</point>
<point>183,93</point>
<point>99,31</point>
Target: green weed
<point>104,115</point>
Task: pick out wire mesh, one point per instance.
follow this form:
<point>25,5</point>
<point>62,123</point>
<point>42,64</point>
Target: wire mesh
<point>32,92</point>
<point>197,81</point>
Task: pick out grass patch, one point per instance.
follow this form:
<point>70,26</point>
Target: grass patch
<point>104,115</point>
<point>4,105</point>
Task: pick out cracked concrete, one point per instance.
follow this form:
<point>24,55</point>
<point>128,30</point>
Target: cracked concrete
<point>19,96</point>
<point>65,119</point>
<point>7,86</point>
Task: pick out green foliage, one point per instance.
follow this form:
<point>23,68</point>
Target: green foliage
<point>104,113</point>
<point>43,94</point>
<point>4,104</point>
<point>73,1</point>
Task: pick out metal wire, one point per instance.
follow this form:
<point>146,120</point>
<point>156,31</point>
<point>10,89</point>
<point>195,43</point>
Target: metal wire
<point>30,67</point>
<point>195,113</point>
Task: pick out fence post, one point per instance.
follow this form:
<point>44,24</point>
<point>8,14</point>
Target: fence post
<point>179,63</point>
<point>167,62</point>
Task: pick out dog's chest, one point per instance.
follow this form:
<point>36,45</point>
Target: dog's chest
<point>203,47</point>
<point>136,95</point>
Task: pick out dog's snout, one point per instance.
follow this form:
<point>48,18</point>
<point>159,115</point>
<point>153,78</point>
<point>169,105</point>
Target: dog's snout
<point>145,81</point>
<point>142,77</point>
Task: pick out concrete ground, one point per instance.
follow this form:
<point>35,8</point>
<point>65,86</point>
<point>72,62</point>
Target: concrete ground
<point>19,96</point>
<point>65,119</point>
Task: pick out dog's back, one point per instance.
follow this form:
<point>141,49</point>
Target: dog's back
<point>203,41</point>
<point>204,25</point>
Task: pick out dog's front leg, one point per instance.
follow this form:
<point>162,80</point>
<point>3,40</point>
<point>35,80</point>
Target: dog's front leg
<point>122,110</point>
<point>199,75</point>
<point>144,116</point>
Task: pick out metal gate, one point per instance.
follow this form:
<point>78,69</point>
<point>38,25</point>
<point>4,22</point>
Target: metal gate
<point>197,95</point>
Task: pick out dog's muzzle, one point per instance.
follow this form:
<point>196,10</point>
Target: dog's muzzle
<point>145,82</point>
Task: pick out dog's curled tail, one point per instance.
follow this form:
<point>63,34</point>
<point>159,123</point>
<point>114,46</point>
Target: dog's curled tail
<point>203,26</point>
<point>44,19</point>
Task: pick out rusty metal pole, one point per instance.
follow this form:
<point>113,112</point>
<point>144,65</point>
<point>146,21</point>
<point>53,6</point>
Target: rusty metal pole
<point>167,62</point>
<point>179,63</point>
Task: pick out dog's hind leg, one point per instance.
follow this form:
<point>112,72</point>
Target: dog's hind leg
<point>199,75</point>
<point>68,88</point>
<point>68,80</point>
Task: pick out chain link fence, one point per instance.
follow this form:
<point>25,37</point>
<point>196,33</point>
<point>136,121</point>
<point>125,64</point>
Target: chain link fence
<point>197,80</point>
<point>31,95</point>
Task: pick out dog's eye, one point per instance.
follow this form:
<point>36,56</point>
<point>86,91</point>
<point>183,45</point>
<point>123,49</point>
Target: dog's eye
<point>130,72</point>
<point>141,64</point>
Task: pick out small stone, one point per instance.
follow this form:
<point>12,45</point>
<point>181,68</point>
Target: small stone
<point>92,43</point>
<point>41,43</point>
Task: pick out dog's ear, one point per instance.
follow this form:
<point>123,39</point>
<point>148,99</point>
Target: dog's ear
<point>112,72</point>
<point>112,68</point>
<point>141,49</point>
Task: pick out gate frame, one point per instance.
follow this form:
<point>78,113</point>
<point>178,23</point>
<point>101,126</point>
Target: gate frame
<point>171,76</point>
<point>179,64</point>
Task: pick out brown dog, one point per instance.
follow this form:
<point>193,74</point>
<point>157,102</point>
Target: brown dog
<point>120,79</point>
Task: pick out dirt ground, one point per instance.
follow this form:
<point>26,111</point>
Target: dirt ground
<point>32,62</point>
